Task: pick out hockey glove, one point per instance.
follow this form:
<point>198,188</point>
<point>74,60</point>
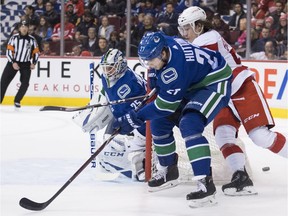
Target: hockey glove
<point>127,123</point>
<point>152,81</point>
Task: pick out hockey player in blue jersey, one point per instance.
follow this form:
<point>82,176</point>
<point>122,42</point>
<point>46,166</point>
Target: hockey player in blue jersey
<point>124,153</point>
<point>199,82</point>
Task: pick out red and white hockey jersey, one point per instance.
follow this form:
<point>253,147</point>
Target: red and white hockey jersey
<point>214,41</point>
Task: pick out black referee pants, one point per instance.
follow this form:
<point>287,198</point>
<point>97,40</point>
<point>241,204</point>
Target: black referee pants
<point>9,74</point>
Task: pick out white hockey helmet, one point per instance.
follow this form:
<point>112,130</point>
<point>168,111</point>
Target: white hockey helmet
<point>189,16</point>
<point>113,64</point>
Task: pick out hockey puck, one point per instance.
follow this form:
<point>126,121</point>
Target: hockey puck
<point>265,169</point>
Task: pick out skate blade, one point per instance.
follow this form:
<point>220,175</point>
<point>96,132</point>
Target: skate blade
<point>166,185</point>
<point>247,191</point>
<point>205,202</point>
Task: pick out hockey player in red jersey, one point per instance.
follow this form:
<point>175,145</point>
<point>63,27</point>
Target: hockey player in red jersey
<point>257,119</point>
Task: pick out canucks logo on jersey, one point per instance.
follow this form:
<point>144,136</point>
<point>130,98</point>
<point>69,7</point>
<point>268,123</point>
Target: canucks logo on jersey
<point>123,91</point>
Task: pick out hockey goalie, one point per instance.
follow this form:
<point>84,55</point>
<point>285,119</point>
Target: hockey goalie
<point>125,154</point>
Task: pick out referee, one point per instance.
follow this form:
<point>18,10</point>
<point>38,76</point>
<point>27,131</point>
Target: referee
<point>21,49</point>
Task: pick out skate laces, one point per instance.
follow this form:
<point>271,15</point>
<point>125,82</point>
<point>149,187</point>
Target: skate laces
<point>239,176</point>
<point>161,172</point>
<point>201,186</point>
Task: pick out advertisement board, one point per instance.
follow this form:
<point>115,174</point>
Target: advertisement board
<point>65,82</point>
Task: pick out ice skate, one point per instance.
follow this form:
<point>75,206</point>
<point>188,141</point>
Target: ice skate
<point>240,185</point>
<point>165,177</point>
<point>204,195</point>
<point>17,106</point>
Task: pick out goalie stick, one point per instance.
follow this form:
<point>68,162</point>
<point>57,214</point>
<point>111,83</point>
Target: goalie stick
<point>92,134</point>
<point>66,109</point>
<point>35,206</point>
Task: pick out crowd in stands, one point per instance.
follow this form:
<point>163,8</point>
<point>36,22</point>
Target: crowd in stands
<point>94,26</point>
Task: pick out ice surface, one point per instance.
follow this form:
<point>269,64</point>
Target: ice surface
<point>40,151</point>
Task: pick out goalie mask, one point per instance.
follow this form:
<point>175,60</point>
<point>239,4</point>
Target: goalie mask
<point>188,18</point>
<point>113,64</point>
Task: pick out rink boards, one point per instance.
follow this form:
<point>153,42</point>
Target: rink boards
<point>65,82</point>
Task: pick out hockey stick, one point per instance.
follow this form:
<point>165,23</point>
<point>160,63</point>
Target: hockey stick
<point>66,109</point>
<point>35,206</point>
<point>92,133</point>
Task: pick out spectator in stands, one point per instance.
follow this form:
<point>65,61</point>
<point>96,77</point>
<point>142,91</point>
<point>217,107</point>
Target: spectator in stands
<point>277,13</point>
<point>56,5</point>
<point>259,24</point>
<point>31,31</point>
<point>182,5</point>
<point>78,6</point>
<point>72,16</point>
<point>234,22</point>
<point>103,47</point>
<point>223,7</point>
<point>69,30</point>
<point>281,31</point>
<point>122,44</point>
<point>113,40</point>
<point>148,26</point>
<point>43,29</point>
<point>285,55</point>
<point>46,49</point>
<point>254,9</point>
<point>141,6</point>
<point>264,7</point>
<point>91,43</point>
<point>221,27</point>
<point>242,38</point>
<point>33,19</point>
<point>122,41</point>
<point>82,28</point>
<point>254,36</point>
<point>268,23</point>
<point>39,7</point>
<point>51,15</point>
<point>22,18</point>
<point>105,28</point>
<point>140,18</point>
<point>97,8</point>
<point>267,54</point>
<point>77,51</point>
<point>149,9</point>
<point>281,34</point>
<point>168,20</point>
<point>115,8</point>
<point>134,7</point>
<point>259,44</point>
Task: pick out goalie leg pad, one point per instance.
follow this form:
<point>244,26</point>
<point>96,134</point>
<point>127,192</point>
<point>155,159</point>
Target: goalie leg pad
<point>137,165</point>
<point>135,143</point>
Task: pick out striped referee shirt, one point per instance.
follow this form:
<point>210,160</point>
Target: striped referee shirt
<point>22,49</point>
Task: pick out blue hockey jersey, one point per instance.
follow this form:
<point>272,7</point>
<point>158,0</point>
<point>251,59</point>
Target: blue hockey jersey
<point>189,68</point>
<point>129,85</point>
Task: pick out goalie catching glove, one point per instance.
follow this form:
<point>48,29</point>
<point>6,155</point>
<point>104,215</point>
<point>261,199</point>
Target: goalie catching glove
<point>127,123</point>
<point>96,118</point>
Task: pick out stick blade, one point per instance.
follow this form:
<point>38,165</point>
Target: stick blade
<point>31,205</point>
<point>53,108</point>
